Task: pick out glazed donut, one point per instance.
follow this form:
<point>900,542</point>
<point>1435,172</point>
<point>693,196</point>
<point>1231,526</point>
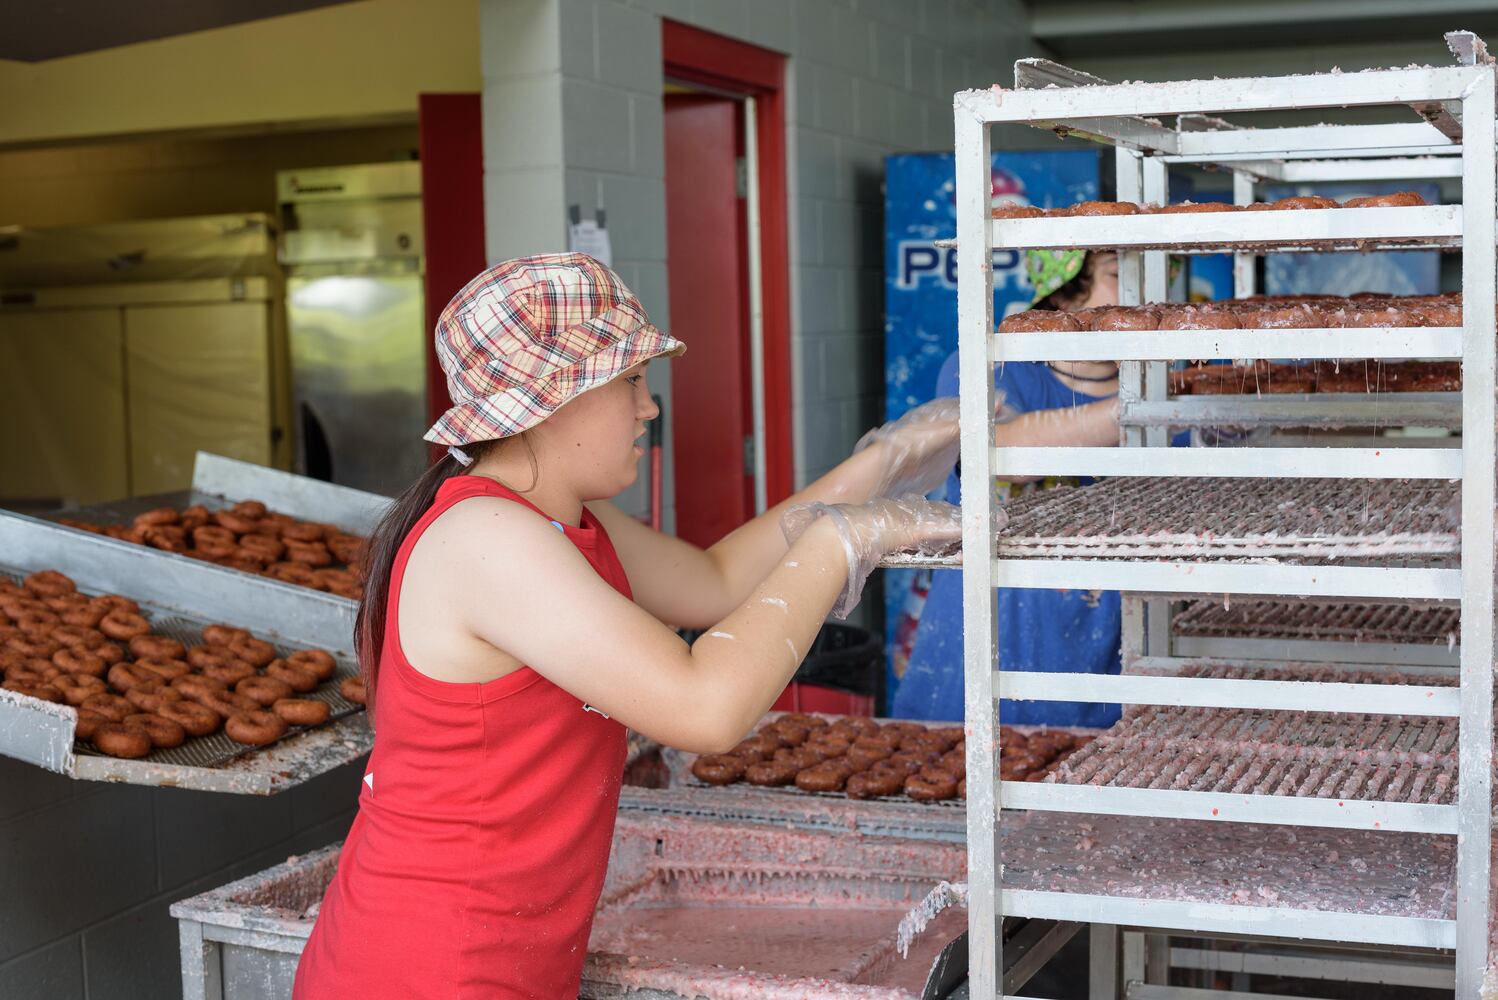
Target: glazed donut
<point>830,746</point>
<point>124,676</point>
<point>788,733</point>
<point>49,583</point>
<point>202,657</point>
<point>163,733</point>
<point>86,615</point>
<point>300,680</point>
<point>166,537</point>
<point>1369,318</point>
<point>262,547</point>
<point>194,517</point>
<point>304,531</point>
<point>156,647</point>
<point>197,686</point>
<point>123,625</point>
<point>151,695</point>
<point>116,602</point>
<point>874,784</point>
<point>1399,199</point>
<point>254,728</point>
<point>771,773</point>
<point>1186,207</point>
<point>1125,318</point>
<point>828,776</point>
<point>88,723</point>
<point>167,670</point>
<point>301,711</point>
<point>197,720</point>
<point>337,581</point>
<point>230,671</point>
<point>255,652</point>
<point>157,516</point>
<point>718,768</point>
<point>264,690</point>
<point>15,606</point>
<point>77,637</point>
<point>931,785</point>
<point>1304,201</point>
<point>804,719</point>
<point>1040,321</point>
<point>801,757</point>
<point>1011,210</point>
<point>110,652</point>
<point>236,523</point>
<point>857,725</point>
<point>81,662</point>
<point>228,703</point>
<point>1101,208</point>
<point>252,509</point>
<point>65,602</point>
<point>313,554</point>
<point>37,623</point>
<point>288,572</point>
<point>319,663</point>
<point>1295,317</point>
<point>1193,318</point>
<point>121,739</point>
<point>346,548</point>
<point>111,705</point>
<point>223,635</point>
<point>751,751</point>
<point>28,645</point>
<point>864,757</point>
<point>353,689</point>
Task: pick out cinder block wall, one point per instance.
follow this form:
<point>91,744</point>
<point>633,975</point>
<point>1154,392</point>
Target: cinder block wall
<point>88,869</point>
<point>867,78</point>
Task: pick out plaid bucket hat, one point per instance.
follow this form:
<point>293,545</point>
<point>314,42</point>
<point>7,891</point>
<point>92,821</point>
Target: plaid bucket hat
<point>531,334</point>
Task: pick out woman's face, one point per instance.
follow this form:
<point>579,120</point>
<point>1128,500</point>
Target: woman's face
<point>1104,290</point>
<point>594,436</point>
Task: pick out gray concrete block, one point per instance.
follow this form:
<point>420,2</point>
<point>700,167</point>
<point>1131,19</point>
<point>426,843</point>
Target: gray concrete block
<point>107,839</point>
<point>328,796</point>
<point>582,189</point>
<point>649,286</point>
<point>861,176</point>
<point>629,48</point>
<point>822,300</point>
<point>840,233</point>
<point>889,54</point>
<point>725,17</point>
<point>54,972</point>
<point>578,37</point>
<point>817,162</point>
<point>802,105</point>
<point>868,298</point>
<point>26,787</point>
<point>807,247</point>
<point>518,37</point>
<point>849,49</point>
<point>524,213</point>
<point>873,112</point>
<point>925,69</point>
<point>595,126</point>
<point>522,125</point>
<point>842,372</point>
<point>834,89</point>
<point>772,24</point>
<point>647,136</point>
<point>199,833</point>
<point>636,218</point>
<point>676,10</point>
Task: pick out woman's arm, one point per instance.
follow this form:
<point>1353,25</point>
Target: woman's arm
<point>1091,425</point>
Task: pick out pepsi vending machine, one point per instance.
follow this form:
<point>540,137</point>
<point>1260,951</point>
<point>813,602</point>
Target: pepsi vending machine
<point>920,302</point>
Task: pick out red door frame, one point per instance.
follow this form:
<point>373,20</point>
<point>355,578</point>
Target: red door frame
<point>696,56</point>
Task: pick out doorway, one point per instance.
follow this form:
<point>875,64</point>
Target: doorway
<point>727,270</point>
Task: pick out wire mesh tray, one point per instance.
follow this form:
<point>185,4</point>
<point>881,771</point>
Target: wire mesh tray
<point>1391,623</point>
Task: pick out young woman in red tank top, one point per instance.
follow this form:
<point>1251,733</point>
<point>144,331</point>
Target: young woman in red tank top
<point>512,627</point>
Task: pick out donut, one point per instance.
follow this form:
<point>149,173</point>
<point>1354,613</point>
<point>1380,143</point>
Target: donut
<point>864,757</point>
<point>228,703</point>
<point>1191,207</point>
<point>255,652</point>
<point>262,547</point>
<point>88,723</point>
<point>15,606</point>
<point>121,739</point>
<point>302,711</point>
<point>163,733</point>
<point>230,671</point>
<point>223,635</point>
<point>931,785</point>
<point>238,524</point>
<point>312,554</point>
<point>30,645</point>
<point>1102,208</point>
<point>771,773</point>
<point>751,751</point>
<point>828,776</point>
<point>49,583</point>
<point>85,615</point>
<point>348,548</point>
<point>157,516</point>
<point>1125,318</point>
<point>123,625</point>
<point>254,728</point>
<point>124,676</point>
<point>37,623</point>
<point>304,531</point>
<point>202,657</point>
<point>1040,321</point>
<point>156,647</point>
<point>264,690</point>
<point>111,705</point>
<point>197,686</point>
<point>804,719</point>
<point>197,720</point>
<point>151,695</point>
<point>65,602</point>
<point>300,680</point>
<point>1012,210</point>
<point>33,672</point>
<point>1399,199</point>
<point>337,581</point>
<point>319,663</point>
<point>212,538</point>
<point>1193,318</point>
<point>77,637</point>
<point>288,572</point>
<point>874,784</point>
<point>252,509</point>
<point>110,652</point>
<point>1439,314</point>
<point>1304,201</point>
<point>81,662</point>
<point>194,517</point>
<point>1295,317</point>
<point>1362,318</point>
<point>353,689</point>
<point>116,602</point>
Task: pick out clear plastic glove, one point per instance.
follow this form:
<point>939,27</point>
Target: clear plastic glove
<point>920,448</point>
<point>872,530</point>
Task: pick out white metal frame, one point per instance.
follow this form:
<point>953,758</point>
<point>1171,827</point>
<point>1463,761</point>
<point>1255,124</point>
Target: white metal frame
<point>1458,102</point>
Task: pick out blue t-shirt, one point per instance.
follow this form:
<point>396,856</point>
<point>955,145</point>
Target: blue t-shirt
<point>1039,630</point>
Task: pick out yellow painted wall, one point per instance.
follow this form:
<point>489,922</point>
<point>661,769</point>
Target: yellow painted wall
<point>344,63</point>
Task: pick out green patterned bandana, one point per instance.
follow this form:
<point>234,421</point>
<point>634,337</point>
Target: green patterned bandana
<point>1048,270</point>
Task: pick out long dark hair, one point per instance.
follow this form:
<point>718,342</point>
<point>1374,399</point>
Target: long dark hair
<point>379,557</point>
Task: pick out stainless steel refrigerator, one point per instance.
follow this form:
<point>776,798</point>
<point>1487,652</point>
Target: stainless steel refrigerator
<point>351,244</point>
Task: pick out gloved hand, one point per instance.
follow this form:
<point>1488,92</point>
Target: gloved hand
<point>920,448</point>
<point>872,530</point>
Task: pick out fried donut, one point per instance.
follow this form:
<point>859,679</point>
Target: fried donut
<point>304,531</point>
<point>1186,207</point>
<point>1193,318</point>
<point>265,690</point>
<point>718,768</point>
<point>255,652</point>
<point>319,663</point>
<point>88,723</point>
<point>230,671</point>
<point>110,652</point>
<point>262,547</point>
<point>166,537</point>
<point>157,516</point>
<point>931,785</point>
<point>1295,317</point>
<point>124,676</point>
<point>33,672</point>
<point>1399,199</point>
<point>163,732</point>
<point>312,554</point>
<point>228,703</point>
<point>196,684</point>
<point>123,625</point>
<point>252,509</point>
<point>1102,208</point>
<point>346,548</point>
<point>156,647</point>
<point>151,695</point>
<point>236,523</point>
<point>81,662</point>
<point>116,602</point>
<point>30,645</point>
<point>197,720</point>
<point>211,536</point>
<point>1040,321</point>
<point>289,572</point>
<point>65,602</point>
<point>201,657</point>
<point>301,711</point>
<point>49,583</point>
<point>1125,318</point>
<point>828,776</point>
<point>85,615</point>
<point>111,705</point>
<point>255,728</point>
<point>771,773</point>
<point>353,689</point>
<point>77,637</point>
<point>1012,210</point>
<point>223,635</point>
<point>751,751</point>
<point>1304,201</point>
<point>300,680</point>
<point>121,739</point>
<point>37,623</point>
<point>874,784</point>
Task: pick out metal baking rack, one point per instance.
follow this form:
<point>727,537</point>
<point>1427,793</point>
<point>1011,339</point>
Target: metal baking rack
<point>1392,634</point>
<point>180,596</point>
<point>1455,109</point>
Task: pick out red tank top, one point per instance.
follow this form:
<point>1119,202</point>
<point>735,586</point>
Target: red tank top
<point>475,861</point>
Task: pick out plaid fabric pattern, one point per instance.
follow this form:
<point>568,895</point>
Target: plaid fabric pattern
<point>531,334</point>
